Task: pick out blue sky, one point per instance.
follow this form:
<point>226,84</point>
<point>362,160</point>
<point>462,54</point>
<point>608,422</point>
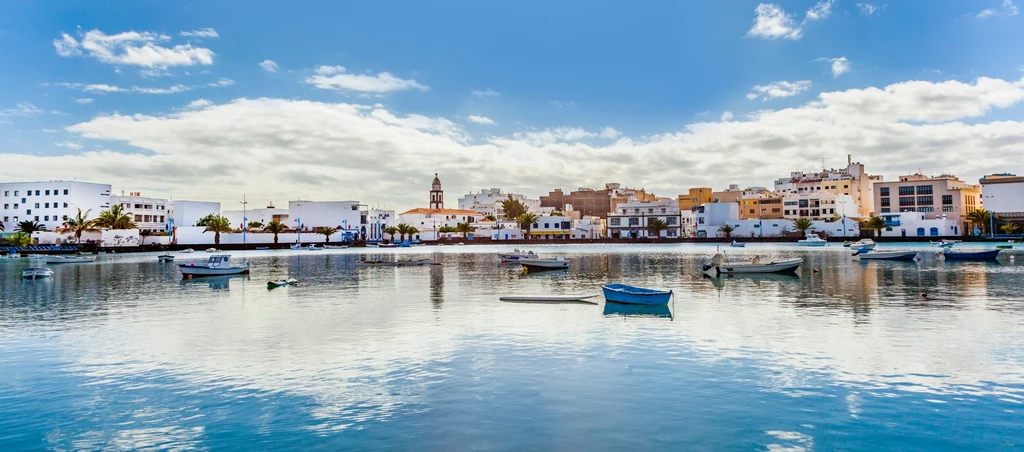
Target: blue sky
<point>657,94</point>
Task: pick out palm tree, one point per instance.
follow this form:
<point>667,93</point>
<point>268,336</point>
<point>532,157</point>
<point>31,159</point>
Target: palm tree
<point>205,220</point>
<point>80,224</point>
<point>390,231</point>
<point>1010,228</point>
<point>446,229</point>
<point>257,225</point>
<point>526,221</point>
<point>275,227</point>
<point>29,227</point>
<point>325,231</point>
<point>980,217</point>
<point>464,229</point>
<point>487,217</point>
<point>20,239</point>
<point>727,230</point>
<point>513,208</point>
<point>405,230</point>
<point>115,218</point>
<point>2,227</point>
<point>876,224</point>
<point>144,234</point>
<point>216,225</point>
<point>657,225</point>
<point>802,225</point>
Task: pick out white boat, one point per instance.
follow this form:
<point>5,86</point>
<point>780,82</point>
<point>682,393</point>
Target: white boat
<point>187,250</point>
<point>36,272</point>
<point>863,244</point>
<point>736,244</point>
<point>885,255</point>
<point>387,245</point>
<point>812,240</point>
<point>548,263</point>
<point>312,247</point>
<point>415,262</point>
<point>336,247</point>
<point>165,258</point>
<point>946,243</point>
<point>211,250</point>
<point>550,298</point>
<point>295,246</point>
<point>217,265</point>
<point>720,266</point>
<point>515,255</point>
<point>67,259</point>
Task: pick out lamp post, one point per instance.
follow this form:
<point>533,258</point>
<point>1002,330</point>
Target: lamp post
<point>298,230</point>
<point>843,204</point>
<point>245,220</point>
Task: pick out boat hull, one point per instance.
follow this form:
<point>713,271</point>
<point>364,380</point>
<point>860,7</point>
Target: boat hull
<point>971,255</point>
<point>789,266</point>
<point>36,273</point>
<point>889,256</point>
<point>197,270</point>
<point>618,293</point>
<point>802,243</point>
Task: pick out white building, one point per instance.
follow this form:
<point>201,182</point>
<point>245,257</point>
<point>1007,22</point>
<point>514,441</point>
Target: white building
<point>630,219</point>
<point>914,224</point>
<point>188,213</point>
<point>347,216</point>
<point>50,203</point>
<point>150,214</point>
<point>852,181</point>
<point>377,220</point>
<point>260,215</point>
<point>588,227</point>
<point>711,217</point>
<point>488,202</point>
<point>430,221</point>
<point>819,205</point>
<point>551,227</point>
<point>1004,195</point>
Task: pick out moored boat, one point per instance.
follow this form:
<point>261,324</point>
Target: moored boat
<point>863,244</point>
<point>217,265</point>
<point>621,293</point>
<point>281,283</point>
<point>335,247</point>
<point>211,250</point>
<point>1005,247</point>
<point>550,298</point>
<point>736,244</point>
<point>295,246</point>
<point>946,243</point>
<point>262,248</point>
<point>165,258</point>
<point>812,240</point>
<point>387,245</point>
<point>515,255</point>
<point>312,247</point>
<point>187,250</point>
<point>36,272</point>
<point>67,259</point>
<point>986,255</point>
<point>720,266</point>
<point>868,254</point>
<point>542,264</point>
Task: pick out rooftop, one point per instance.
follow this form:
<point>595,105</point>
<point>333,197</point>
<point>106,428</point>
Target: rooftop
<point>426,211</point>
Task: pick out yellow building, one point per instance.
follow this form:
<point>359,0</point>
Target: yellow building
<point>766,206</point>
<point>694,198</point>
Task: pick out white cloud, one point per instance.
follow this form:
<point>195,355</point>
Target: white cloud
<point>68,145</point>
<point>331,77</point>
<point>840,65</point>
<point>820,10</point>
<point>778,89</point>
<point>169,90</point>
<point>562,103</point>
<point>610,133</point>
<point>221,82</point>
<point>726,116</point>
<point>486,93</point>
<point>132,48</point>
<point>104,88</point>
<point>869,9</point>
<point>1008,9</point>
<point>198,104</point>
<point>895,129</point>
<point>772,22</point>
<point>481,119</point>
<point>21,109</point>
<point>269,66</point>
<point>201,33</point>
<point>82,100</point>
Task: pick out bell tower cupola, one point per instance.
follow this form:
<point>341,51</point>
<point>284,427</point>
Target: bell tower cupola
<point>436,194</point>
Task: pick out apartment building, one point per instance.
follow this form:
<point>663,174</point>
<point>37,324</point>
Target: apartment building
<point>935,197</point>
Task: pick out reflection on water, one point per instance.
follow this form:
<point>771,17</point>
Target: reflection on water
<point>124,354</point>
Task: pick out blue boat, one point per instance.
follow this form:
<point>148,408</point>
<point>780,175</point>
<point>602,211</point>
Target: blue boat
<point>621,293</point>
<point>986,255</point>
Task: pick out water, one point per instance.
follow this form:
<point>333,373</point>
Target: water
<point>122,354</point>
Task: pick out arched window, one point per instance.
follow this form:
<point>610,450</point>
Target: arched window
<point>934,231</point>
<point>920,232</point>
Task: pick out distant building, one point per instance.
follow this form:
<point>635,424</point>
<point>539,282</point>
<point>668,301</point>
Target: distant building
<point>598,203</point>
<point>150,214</point>
<point>377,220</point>
<point>631,219</point>
<point>913,224</point>
<point>259,215</point>
<point>711,217</point>
<point>50,203</point>
<point>1004,196</point>
<point>188,213</point>
<point>489,202</point>
<point>934,197</point>
<point>695,197</point>
<point>830,184</point>
<point>430,220</point>
<point>346,216</point>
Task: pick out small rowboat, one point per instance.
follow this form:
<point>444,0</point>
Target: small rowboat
<point>314,248</point>
<point>295,247</point>
<point>165,258</point>
<point>550,298</point>
<point>336,247</point>
<point>187,250</point>
<point>720,266</point>
<point>218,265</point>
<point>211,250</point>
<point>863,244</point>
<point>68,259</point>
<point>865,253</point>
<point>386,245</point>
<point>281,283</point>
<point>736,244</point>
<point>946,243</point>
<point>986,255</point>
<point>543,264</point>
<point>36,272</point>
<point>621,293</point>
<point>515,255</point>
<point>812,240</point>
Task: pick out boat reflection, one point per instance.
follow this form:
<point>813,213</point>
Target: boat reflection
<point>215,282</point>
<point>757,278</point>
<point>612,308</point>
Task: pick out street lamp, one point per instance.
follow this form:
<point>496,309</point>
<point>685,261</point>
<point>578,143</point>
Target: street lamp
<point>298,230</point>
<point>245,220</point>
<point>842,203</point>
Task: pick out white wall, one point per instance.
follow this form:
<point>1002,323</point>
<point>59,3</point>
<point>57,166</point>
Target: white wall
<point>314,214</point>
<point>85,195</point>
<point>1003,198</point>
<point>187,213</point>
<point>196,236</point>
<point>913,224</point>
<point>264,215</point>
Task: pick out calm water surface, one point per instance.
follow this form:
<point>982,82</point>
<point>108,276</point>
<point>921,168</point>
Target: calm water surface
<point>123,354</point>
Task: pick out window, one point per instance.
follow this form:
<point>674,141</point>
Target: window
<point>37,205</point>
<point>615,221</point>
<point>908,209</point>
<point>885,202</point>
<point>884,191</point>
<point>926,200</point>
<point>924,189</point>
<point>547,226</point>
<point>803,203</point>
<point>907,201</point>
<point>925,209</point>
<point>671,220</point>
<point>23,200</point>
<point>37,192</point>
<point>37,217</point>
<point>47,218</point>
<point>65,218</point>
<point>633,221</point>
<point>15,192</point>
<point>904,191</point>
<point>55,193</point>
<point>885,210</point>
<point>65,191</point>
<point>47,192</point>
<point>947,199</point>
<point>28,212</point>
<point>15,206</point>
<point>947,208</point>
<point>48,205</point>
<point>65,205</point>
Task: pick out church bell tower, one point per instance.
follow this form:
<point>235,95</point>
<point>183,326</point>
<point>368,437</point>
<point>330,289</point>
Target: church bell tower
<point>436,194</point>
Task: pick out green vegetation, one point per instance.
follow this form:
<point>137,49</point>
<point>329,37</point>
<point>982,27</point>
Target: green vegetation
<point>391,231</point>
<point>275,227</point>
<point>513,208</point>
<point>727,230</point>
<point>876,224</point>
<point>802,225</point>
<point>115,218</point>
<point>217,225</point>
<point>980,218</point>
<point>20,239</point>
<point>655,226</point>
<point>464,229</point>
<point>526,221</point>
<point>29,227</point>
<point>326,231</point>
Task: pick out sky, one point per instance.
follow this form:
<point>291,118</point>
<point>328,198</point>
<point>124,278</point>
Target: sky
<point>367,100</point>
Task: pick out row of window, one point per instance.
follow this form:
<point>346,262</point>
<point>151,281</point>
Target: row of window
<point>811,212</point>
<point>649,210</point>
<point>144,206</point>
<point>38,192</point>
<point>36,218</point>
<point>47,205</point>
<point>634,221</point>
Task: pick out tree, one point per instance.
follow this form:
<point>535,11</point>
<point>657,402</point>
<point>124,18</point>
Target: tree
<point>557,214</point>
<point>257,225</point>
<point>513,208</point>
<point>1010,228</point>
<point>446,229</point>
<point>29,227</point>
<point>876,224</point>
<point>326,231</point>
<point>20,239</point>
<point>657,225</point>
<point>727,230</point>
<point>275,227</point>
<point>802,225</point>
<point>391,231</point>
<point>79,225</point>
<point>206,220</point>
<point>2,227</point>
<point>144,233</point>
<point>405,230</point>
<point>526,221</point>
<point>216,225</point>
<point>464,229</point>
<point>980,218</point>
<point>115,218</point>
<point>488,218</point>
